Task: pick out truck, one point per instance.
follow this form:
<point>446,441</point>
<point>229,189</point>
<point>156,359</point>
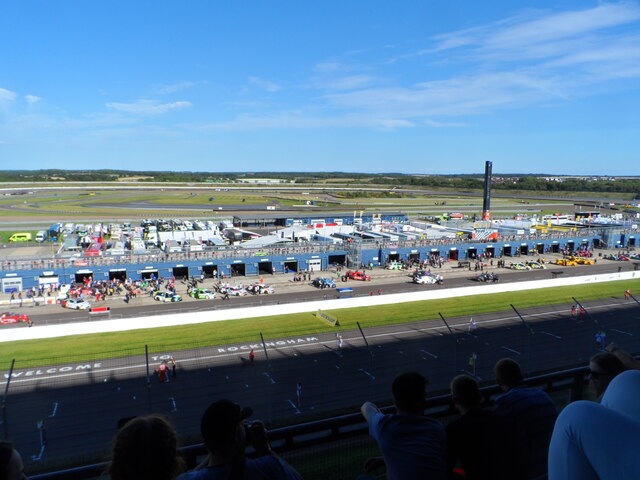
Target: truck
<point>42,235</point>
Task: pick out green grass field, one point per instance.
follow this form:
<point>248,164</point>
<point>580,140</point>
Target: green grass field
<point>110,345</point>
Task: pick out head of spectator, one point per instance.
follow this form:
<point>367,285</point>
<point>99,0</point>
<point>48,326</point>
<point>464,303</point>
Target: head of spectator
<point>146,448</point>
<point>11,466</point>
<point>465,393</point>
<point>409,393</point>
<point>604,367</point>
<point>508,374</point>
<point>626,358</point>
<point>222,428</point>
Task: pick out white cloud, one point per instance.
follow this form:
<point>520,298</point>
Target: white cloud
<point>349,83</point>
<point>7,95</point>
<point>175,87</point>
<point>148,107</point>
<point>31,99</point>
<point>264,84</point>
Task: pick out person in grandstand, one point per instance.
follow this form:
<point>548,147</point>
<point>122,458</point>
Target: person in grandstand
<point>11,466</point>
<point>604,367</point>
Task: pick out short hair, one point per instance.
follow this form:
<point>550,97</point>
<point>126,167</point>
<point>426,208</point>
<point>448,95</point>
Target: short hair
<point>409,390</point>
<point>146,448</point>
<point>6,452</point>
<point>508,373</point>
<point>609,363</point>
<point>466,391</point>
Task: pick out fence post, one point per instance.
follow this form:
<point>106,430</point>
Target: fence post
<point>530,333</point>
<point>4,399</point>
<point>455,344</point>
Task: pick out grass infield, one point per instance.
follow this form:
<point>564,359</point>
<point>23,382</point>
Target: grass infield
<point>30,353</point>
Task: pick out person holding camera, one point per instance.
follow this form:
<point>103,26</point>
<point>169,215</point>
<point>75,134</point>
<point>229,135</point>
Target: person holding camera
<point>226,436</point>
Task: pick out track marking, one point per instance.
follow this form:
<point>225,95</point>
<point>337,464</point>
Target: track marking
<point>367,373</point>
<point>511,350</point>
<point>295,407</point>
<point>173,403</point>
<point>621,331</point>
<point>552,335</point>
<point>55,409</point>
<point>433,355</point>
<point>266,374</point>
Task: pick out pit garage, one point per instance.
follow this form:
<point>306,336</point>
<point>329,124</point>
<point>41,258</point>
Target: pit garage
<point>150,274</point>
<point>393,257</point>
<point>571,246</point>
<point>83,276</point>
<point>540,248</point>
<point>414,257</point>
<point>119,274</point>
<point>490,252</point>
<point>180,272</point>
<point>12,284</point>
<point>238,270</point>
<point>555,247</point>
<point>434,253</point>
<point>48,279</point>
<point>506,251</point>
<point>210,270</point>
<point>453,254</point>
<point>290,267</point>
<point>524,249</point>
<point>472,253</point>
<point>584,244</point>
<point>337,259</point>
<point>265,268</point>
<point>314,265</point>
<point>631,243</point>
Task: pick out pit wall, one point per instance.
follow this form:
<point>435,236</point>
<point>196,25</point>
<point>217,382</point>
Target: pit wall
<point>169,320</point>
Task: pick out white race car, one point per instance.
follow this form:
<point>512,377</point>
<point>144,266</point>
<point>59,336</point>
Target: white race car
<point>428,279</point>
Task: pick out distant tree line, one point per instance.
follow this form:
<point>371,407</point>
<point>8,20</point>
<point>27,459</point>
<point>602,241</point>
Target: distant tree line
<point>456,182</point>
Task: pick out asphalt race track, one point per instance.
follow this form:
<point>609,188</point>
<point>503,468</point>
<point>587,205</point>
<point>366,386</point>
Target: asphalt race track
<point>81,403</point>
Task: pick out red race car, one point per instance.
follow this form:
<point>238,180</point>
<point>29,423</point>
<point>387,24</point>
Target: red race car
<point>358,276</point>
<point>12,317</point>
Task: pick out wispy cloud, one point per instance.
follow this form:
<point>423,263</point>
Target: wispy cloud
<point>173,88</point>
<point>148,107</point>
<point>264,84</point>
<point>32,99</point>
<point>7,95</point>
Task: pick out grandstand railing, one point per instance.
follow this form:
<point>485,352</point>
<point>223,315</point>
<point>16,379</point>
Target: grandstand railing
<point>569,384</point>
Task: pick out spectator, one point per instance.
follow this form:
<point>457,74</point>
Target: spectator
<point>412,444</point>
<point>226,437</point>
<point>603,367</point>
<point>530,416</point>
<point>146,448</point>
<point>479,438</point>
<point>594,441</point>
<point>11,466</point>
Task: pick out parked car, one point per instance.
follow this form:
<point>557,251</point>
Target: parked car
<point>13,317</point>
<point>426,278</point>
<point>356,275</point>
<point>323,283</point>
<point>166,297</point>
<point>536,265</point>
<point>260,289</point>
<point>394,266</point>
<point>487,277</point>
<point>519,266</point>
<point>234,291</point>
<point>75,304</point>
<point>202,293</point>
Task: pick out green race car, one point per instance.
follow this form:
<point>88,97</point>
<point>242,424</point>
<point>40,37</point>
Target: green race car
<point>202,293</point>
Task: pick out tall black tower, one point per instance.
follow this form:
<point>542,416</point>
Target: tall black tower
<point>486,204</point>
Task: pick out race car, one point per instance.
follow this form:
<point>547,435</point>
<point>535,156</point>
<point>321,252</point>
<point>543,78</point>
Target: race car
<point>260,289</point>
<point>427,278</point>
<point>535,265</point>
<point>323,283</point>
<point>75,304</point>
<point>202,293</point>
<point>233,291</point>
<point>565,262</point>
<point>166,297</point>
<point>356,275</point>
<point>394,266</point>
<point>487,277</point>
<point>519,266</point>
<point>13,317</point>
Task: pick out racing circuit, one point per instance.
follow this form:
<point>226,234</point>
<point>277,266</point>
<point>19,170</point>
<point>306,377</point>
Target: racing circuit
<point>81,403</point>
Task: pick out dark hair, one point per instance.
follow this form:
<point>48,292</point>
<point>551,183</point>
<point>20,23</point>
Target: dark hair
<point>146,448</point>
<point>609,363</point>
<point>508,373</point>
<point>409,390</point>
<point>465,391</point>
<point>6,452</point>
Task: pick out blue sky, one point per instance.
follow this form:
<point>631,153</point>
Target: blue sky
<point>338,85</point>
